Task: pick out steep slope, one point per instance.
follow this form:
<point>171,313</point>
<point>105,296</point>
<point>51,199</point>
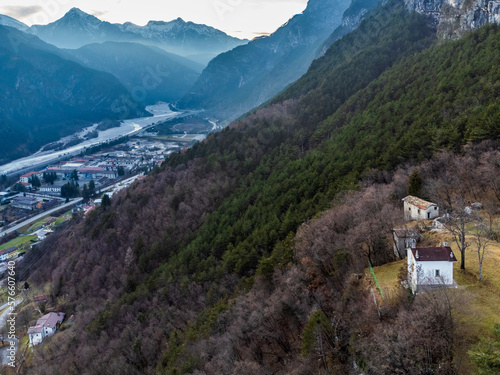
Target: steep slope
<point>149,73</point>
<point>201,268</point>
<point>44,97</point>
<point>241,79</point>
<point>77,28</point>
<point>351,19</point>
<point>455,18</point>
<point>215,215</point>
<point>12,22</point>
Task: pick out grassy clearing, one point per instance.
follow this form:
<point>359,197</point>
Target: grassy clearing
<point>39,224</point>
<point>30,228</point>
<point>476,305</point>
<point>61,219</point>
<point>18,242</point>
<point>3,295</point>
<point>484,295</point>
<point>387,276</point>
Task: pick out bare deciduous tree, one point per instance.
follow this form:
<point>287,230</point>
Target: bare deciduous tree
<point>481,242</point>
<point>457,226</point>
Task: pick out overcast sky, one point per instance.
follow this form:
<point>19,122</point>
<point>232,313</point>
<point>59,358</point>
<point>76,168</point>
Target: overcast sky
<point>241,18</point>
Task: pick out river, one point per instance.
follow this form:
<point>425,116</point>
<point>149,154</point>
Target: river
<point>160,111</point>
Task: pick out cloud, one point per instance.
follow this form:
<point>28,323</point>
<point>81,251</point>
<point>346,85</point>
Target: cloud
<point>99,13</point>
<point>20,12</point>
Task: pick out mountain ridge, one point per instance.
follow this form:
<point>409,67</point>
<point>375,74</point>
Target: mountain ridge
<point>245,77</point>
<point>149,73</point>
<point>12,22</point>
<point>77,28</point>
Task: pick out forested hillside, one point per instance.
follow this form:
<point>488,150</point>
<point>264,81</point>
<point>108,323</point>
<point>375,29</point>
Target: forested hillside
<point>44,96</point>
<point>238,255</point>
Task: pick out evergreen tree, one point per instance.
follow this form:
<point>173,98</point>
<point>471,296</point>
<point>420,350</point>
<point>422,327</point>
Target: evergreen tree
<point>92,188</point>
<point>70,190</point>
<point>486,354</point>
<point>106,202</point>
<point>415,184</point>
<point>20,188</point>
<point>49,177</point>
<point>35,181</point>
<point>85,192</point>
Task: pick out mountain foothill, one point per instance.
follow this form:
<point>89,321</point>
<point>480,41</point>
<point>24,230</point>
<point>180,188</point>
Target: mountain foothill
<point>255,251</point>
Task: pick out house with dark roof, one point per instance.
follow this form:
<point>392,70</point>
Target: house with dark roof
<point>430,267</point>
<point>25,203</point>
<point>45,326</point>
<point>419,209</point>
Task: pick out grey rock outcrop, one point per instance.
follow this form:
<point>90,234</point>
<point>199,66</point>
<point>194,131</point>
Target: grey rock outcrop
<point>456,17</point>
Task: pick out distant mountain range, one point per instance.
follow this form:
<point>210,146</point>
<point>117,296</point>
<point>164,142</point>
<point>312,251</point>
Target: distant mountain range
<point>247,76</point>
<point>149,73</point>
<point>44,96</point>
<point>76,28</point>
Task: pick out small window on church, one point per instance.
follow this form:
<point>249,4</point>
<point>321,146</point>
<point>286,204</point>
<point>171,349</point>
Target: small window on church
<point>437,273</point>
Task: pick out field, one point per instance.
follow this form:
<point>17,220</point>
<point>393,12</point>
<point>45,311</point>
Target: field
<point>476,304</point>
<point>18,242</point>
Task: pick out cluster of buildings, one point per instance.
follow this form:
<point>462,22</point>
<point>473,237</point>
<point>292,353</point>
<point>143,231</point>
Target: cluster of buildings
<point>32,203</point>
<point>101,170</point>
<point>9,253</point>
<point>428,267</point>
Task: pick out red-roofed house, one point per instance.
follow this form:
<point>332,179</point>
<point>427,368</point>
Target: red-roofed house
<point>27,185</point>
<point>419,209</point>
<point>41,298</point>
<point>27,176</point>
<point>430,267</point>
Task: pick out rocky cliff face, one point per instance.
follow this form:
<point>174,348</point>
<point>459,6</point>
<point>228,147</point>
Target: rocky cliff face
<point>456,17</point>
<point>245,77</point>
<point>351,19</point>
